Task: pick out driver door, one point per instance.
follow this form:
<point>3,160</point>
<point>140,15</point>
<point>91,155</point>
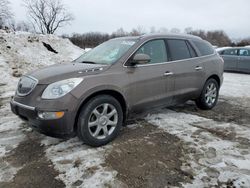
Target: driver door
<point>152,83</point>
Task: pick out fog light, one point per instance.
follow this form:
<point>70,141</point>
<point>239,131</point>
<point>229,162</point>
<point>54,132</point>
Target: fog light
<point>50,115</point>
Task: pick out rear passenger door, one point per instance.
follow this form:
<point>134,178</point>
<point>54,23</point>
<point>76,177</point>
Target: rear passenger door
<point>244,60</point>
<point>188,71</point>
<point>230,58</point>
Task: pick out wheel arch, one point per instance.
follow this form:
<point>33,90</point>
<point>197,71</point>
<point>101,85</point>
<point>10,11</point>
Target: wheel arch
<point>216,77</point>
<point>117,95</point>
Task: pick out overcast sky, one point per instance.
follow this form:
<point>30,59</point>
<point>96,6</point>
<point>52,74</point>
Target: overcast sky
<point>233,16</point>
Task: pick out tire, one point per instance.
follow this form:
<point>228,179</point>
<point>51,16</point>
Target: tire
<point>100,120</point>
<point>209,95</point>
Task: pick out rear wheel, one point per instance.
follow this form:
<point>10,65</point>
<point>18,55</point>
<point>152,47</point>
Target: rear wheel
<point>209,96</point>
<point>100,120</point>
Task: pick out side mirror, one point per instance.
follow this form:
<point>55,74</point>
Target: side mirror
<point>141,59</point>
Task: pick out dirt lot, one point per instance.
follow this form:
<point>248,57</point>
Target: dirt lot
<point>180,146</point>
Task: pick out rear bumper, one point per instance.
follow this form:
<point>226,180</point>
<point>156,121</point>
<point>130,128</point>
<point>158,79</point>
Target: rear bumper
<point>60,128</point>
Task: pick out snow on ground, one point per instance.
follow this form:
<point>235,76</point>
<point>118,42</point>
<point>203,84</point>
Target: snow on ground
<point>10,136</point>
<point>10,125</point>
<point>215,158</point>
<point>78,163</point>
<point>236,85</point>
<point>23,52</point>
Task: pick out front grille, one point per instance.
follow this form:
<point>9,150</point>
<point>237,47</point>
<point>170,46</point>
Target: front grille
<point>26,85</point>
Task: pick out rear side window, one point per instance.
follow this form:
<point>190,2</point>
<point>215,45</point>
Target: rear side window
<point>204,47</point>
<point>229,52</point>
<point>178,49</point>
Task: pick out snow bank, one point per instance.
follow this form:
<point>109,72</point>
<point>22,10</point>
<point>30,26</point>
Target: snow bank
<point>25,51</point>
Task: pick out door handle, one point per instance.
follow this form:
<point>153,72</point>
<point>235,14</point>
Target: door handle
<point>198,68</point>
<point>168,73</point>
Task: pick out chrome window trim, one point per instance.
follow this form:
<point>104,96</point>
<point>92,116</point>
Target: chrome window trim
<point>31,77</point>
<point>171,61</point>
<point>149,64</point>
<point>23,105</point>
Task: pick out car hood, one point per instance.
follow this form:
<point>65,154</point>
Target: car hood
<point>58,72</point>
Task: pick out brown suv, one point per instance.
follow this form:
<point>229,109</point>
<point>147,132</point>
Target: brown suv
<point>96,93</point>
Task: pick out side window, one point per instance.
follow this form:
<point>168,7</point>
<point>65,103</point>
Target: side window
<point>204,47</point>
<point>156,49</point>
<point>178,49</point>
<point>191,50</point>
<point>244,52</point>
<point>230,52</point>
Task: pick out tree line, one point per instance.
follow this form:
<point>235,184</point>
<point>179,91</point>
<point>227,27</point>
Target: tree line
<point>91,39</point>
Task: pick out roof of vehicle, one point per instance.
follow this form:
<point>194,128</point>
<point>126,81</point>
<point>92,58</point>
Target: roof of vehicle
<point>223,48</point>
<point>158,35</point>
<point>170,35</point>
<point>238,47</point>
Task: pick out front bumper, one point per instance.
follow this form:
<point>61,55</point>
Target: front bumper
<point>60,128</point>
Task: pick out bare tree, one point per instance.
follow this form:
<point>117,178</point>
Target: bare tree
<point>188,30</point>
<point>5,12</point>
<point>163,30</point>
<point>139,30</point>
<point>119,33</point>
<point>20,26</point>
<point>175,30</point>
<point>47,15</point>
<point>152,29</point>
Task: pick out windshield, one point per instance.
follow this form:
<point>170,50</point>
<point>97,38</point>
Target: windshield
<point>107,52</point>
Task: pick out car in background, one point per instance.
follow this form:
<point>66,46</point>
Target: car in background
<point>236,58</point>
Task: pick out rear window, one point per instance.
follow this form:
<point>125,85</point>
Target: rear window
<point>178,49</point>
<point>204,47</point>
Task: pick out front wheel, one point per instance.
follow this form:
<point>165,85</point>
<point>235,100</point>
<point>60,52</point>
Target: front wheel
<point>209,96</point>
<point>100,120</point>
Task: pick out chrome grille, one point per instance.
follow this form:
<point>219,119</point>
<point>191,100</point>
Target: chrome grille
<point>26,85</point>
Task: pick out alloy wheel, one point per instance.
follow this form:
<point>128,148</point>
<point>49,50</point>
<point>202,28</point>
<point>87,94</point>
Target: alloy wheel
<point>103,121</point>
<point>211,94</point>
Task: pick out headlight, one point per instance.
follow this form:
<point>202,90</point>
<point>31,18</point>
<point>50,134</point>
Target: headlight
<point>61,88</point>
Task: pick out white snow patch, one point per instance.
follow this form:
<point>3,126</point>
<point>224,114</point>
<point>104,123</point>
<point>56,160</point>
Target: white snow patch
<point>236,85</point>
<point>7,172</point>
<point>10,136</point>
<point>78,162</point>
